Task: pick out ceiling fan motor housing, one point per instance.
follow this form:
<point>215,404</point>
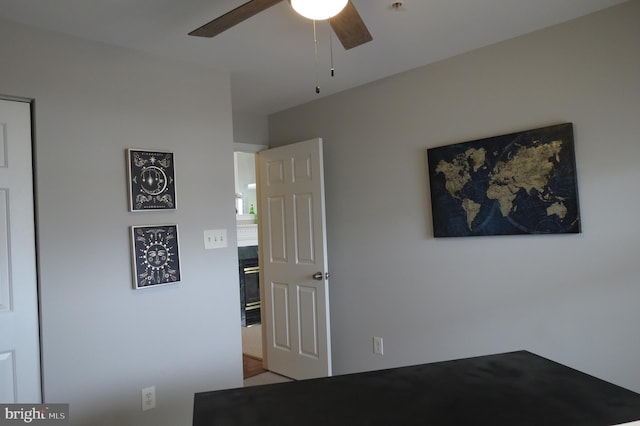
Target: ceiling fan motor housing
<point>318,10</point>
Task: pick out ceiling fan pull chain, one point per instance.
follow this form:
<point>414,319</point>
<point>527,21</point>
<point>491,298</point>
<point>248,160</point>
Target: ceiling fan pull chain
<point>315,55</point>
<point>333,70</point>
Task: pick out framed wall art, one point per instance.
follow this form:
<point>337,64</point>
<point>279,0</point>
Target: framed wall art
<point>519,183</point>
<point>155,255</point>
<point>151,176</point>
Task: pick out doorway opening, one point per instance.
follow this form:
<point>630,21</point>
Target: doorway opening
<point>246,205</point>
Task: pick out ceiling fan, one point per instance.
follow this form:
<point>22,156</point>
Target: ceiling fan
<point>347,24</point>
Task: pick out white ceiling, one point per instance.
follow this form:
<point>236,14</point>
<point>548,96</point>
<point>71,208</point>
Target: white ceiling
<point>270,56</point>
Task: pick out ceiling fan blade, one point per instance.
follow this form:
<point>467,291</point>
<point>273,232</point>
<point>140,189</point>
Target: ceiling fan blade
<point>350,28</point>
<point>234,17</point>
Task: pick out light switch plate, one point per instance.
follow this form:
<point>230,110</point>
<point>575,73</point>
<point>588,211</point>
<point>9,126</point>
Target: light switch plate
<point>215,238</point>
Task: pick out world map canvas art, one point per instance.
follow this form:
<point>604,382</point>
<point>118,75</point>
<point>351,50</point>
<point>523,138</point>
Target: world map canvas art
<point>519,183</point>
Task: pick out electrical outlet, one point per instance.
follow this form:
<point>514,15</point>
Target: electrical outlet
<point>378,348</point>
<point>148,398</point>
<point>215,238</point>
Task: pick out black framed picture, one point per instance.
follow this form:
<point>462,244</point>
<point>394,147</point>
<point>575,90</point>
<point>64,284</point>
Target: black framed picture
<point>155,255</point>
<point>518,183</point>
<point>152,183</point>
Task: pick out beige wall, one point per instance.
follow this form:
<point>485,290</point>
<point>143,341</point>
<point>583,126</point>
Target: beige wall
<point>250,128</point>
<point>102,341</point>
<point>572,298</point>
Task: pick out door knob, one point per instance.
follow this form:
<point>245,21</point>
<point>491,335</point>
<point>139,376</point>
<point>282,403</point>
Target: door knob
<point>319,276</point>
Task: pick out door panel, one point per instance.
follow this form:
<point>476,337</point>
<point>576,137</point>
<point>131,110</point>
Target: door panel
<point>277,238</point>
<point>303,205</point>
<point>275,172</point>
<point>281,318</point>
<point>307,317</point>
<point>302,169</point>
<point>291,195</point>
<point>19,344</point>
<point>7,375</point>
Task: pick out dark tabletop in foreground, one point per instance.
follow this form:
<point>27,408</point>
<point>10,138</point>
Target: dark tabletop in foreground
<point>516,388</point>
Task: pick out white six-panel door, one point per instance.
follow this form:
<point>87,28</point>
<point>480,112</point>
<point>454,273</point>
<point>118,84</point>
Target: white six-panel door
<point>293,249</point>
<point>19,341</point>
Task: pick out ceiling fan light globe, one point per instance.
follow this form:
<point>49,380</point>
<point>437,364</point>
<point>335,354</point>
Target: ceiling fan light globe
<point>318,10</point>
